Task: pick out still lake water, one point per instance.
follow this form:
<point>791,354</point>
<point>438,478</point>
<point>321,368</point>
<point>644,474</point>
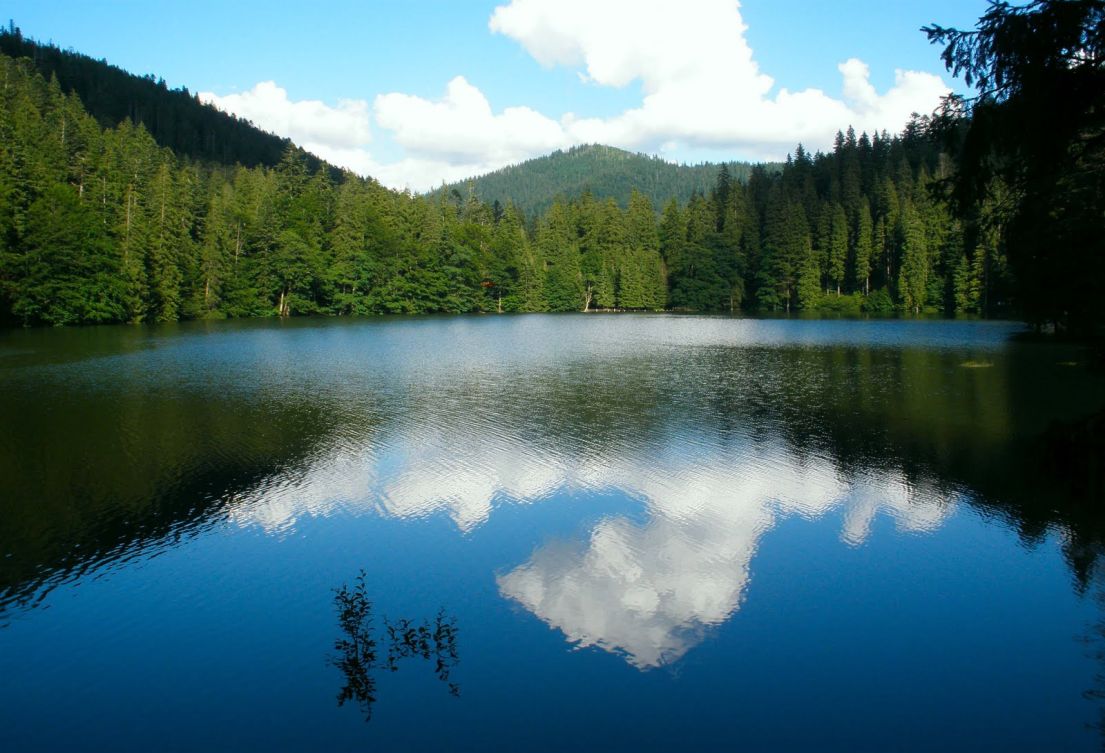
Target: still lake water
<point>649,532</point>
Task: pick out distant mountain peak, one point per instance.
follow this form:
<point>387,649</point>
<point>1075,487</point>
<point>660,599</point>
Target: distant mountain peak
<point>605,171</point>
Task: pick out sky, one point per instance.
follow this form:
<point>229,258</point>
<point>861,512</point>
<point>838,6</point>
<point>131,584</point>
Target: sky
<point>419,92</point>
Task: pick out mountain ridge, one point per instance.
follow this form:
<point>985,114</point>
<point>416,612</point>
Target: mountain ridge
<point>606,171</point>
<point>175,118</point>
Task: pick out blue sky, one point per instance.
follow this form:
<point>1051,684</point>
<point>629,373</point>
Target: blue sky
<point>696,80</point>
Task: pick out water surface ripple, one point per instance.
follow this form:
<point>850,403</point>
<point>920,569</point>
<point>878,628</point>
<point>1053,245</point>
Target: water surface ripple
<point>650,532</point>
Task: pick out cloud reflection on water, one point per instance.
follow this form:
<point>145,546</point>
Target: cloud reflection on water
<point>648,591</point>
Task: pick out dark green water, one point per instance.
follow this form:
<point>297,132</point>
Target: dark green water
<point>619,532</point>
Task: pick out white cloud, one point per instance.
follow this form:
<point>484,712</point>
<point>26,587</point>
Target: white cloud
<point>310,123</point>
<point>459,136</point>
<point>416,173</point>
<point>647,591</point>
<point>702,89</point>
<point>447,140</point>
<point>461,128</point>
<point>619,41</point>
<point>650,592</point>
<point>702,86</point>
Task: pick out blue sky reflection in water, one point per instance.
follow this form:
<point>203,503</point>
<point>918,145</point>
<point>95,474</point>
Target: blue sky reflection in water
<point>652,532</point>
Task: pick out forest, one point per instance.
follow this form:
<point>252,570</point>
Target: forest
<point>174,117</point>
<point>103,223</point>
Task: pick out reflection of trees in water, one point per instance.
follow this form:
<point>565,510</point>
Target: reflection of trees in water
<point>357,654</point>
<point>1095,649</point>
<point>437,642</point>
<point>106,496</point>
<point>910,409</point>
<point>357,650</point>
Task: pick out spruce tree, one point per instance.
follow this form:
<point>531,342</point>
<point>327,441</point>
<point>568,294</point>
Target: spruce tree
<point>863,248</point>
<point>838,246</point>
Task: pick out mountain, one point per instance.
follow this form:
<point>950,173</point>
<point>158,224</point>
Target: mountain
<point>607,172</point>
<point>174,117</point>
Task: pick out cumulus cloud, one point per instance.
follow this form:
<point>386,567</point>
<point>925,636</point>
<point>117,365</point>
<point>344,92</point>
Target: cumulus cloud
<point>449,139</point>
<point>459,135</point>
<point>700,83</point>
<point>336,133</point>
<point>461,128</point>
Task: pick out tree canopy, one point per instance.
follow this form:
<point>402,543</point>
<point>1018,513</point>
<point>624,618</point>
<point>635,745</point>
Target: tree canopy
<point>100,221</point>
<point>1029,148</point>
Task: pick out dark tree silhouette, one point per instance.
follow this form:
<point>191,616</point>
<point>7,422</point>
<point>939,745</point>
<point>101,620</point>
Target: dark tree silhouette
<point>1034,137</point>
<point>356,650</point>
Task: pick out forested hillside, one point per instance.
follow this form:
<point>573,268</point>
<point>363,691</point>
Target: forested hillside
<point>603,171</point>
<point>103,224</point>
<point>173,117</point>
<point>994,207</point>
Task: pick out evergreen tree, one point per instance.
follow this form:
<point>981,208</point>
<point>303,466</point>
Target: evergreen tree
<point>509,256</point>
<point>558,247</point>
<point>838,246</point>
<point>67,273</point>
<point>915,265</point>
<point>1033,132</point>
<point>809,283</point>
<point>863,248</point>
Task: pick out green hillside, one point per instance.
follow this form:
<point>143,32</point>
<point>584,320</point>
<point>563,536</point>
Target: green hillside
<point>175,118</point>
<point>607,172</point>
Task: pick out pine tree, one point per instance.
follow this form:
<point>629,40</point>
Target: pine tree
<point>354,265</point>
<point>838,246</point>
<point>558,247</point>
<point>216,248</point>
<point>643,239</point>
<point>673,240</point>
<point>886,241</point>
<point>771,293</point>
<point>809,283</point>
<point>67,273</point>
<point>509,254</point>
<point>863,248</point>
<point>913,283</point>
<point>168,243</point>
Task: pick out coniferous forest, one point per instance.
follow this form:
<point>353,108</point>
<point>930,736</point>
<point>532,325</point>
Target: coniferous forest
<point>100,221</point>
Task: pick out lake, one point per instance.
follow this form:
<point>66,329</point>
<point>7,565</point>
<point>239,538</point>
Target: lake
<point>650,532</point>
